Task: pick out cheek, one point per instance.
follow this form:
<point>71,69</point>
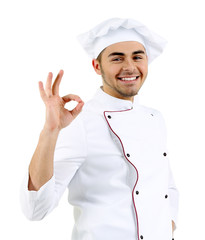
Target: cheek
<point>113,71</point>
<point>143,69</point>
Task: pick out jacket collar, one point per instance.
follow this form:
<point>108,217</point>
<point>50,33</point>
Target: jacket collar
<point>111,103</point>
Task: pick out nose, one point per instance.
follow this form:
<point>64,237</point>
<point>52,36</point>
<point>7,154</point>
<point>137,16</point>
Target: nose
<point>129,66</point>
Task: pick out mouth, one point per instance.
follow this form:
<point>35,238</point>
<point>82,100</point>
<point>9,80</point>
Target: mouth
<point>126,79</point>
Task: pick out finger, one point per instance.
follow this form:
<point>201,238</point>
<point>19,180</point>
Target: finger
<point>77,109</point>
<point>71,97</point>
<point>55,88</point>
<point>48,89</point>
<point>42,91</point>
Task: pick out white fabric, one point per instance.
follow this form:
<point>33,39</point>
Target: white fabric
<point>112,150</point>
<point>116,30</point>
<point>120,35</point>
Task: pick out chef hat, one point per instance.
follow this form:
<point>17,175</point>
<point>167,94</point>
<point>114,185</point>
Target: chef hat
<point>116,30</point>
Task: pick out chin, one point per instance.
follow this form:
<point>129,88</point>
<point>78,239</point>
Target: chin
<point>128,94</point>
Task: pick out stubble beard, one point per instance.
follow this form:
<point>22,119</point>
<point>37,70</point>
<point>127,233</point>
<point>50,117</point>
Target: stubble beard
<point>124,94</point>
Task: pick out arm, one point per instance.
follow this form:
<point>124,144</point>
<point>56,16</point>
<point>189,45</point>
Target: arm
<point>41,165</point>
<point>174,200</point>
<point>57,118</point>
<point>70,153</point>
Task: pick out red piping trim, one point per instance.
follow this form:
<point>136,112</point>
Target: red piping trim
<point>129,162</point>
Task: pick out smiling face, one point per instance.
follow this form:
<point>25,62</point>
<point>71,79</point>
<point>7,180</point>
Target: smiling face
<point>123,67</point>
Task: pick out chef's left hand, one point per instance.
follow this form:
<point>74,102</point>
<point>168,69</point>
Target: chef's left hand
<point>173,226</point>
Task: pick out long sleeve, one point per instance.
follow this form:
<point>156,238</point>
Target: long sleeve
<point>172,189</point>
<point>70,153</point>
<point>173,198</point>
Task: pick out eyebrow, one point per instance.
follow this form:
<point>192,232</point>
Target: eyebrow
<point>122,54</point>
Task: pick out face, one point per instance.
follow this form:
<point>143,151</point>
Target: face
<point>124,68</point>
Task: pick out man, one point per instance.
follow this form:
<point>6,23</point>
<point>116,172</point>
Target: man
<point>113,156</point>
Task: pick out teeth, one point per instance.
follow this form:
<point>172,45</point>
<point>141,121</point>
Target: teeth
<point>128,79</point>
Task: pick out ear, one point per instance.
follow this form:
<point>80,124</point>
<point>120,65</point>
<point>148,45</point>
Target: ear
<point>96,66</point>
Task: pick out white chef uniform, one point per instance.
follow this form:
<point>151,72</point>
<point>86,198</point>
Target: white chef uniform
<point>114,161</point>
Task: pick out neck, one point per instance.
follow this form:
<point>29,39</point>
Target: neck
<point>117,94</point>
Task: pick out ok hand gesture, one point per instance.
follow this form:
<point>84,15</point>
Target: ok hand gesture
<point>57,116</point>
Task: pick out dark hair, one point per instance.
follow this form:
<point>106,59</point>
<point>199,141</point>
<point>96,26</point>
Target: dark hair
<point>100,56</point>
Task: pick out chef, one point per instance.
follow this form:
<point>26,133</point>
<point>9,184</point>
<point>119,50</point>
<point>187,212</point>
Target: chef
<point>110,152</point>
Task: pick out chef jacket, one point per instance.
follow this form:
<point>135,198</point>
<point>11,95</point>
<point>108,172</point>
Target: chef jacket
<point>114,161</point>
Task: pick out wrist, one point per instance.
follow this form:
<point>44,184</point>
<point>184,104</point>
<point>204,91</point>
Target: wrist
<point>50,131</point>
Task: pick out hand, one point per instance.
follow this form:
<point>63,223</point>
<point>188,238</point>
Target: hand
<point>173,226</point>
<point>57,116</point>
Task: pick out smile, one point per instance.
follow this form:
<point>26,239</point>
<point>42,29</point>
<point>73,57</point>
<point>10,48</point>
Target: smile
<point>129,79</point>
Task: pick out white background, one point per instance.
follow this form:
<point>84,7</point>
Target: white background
<point>40,36</point>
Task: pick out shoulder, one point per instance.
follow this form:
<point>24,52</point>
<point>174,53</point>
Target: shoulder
<point>75,130</point>
<point>155,113</point>
<point>150,110</point>
<point>92,111</point>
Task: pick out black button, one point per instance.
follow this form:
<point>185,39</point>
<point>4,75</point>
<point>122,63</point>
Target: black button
<point>165,154</point>
<point>152,114</point>
<point>141,237</point>
<point>109,116</point>
<point>128,155</point>
<point>137,192</point>
<point>166,196</point>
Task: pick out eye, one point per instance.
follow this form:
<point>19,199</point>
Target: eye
<point>137,57</point>
<point>117,59</point>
